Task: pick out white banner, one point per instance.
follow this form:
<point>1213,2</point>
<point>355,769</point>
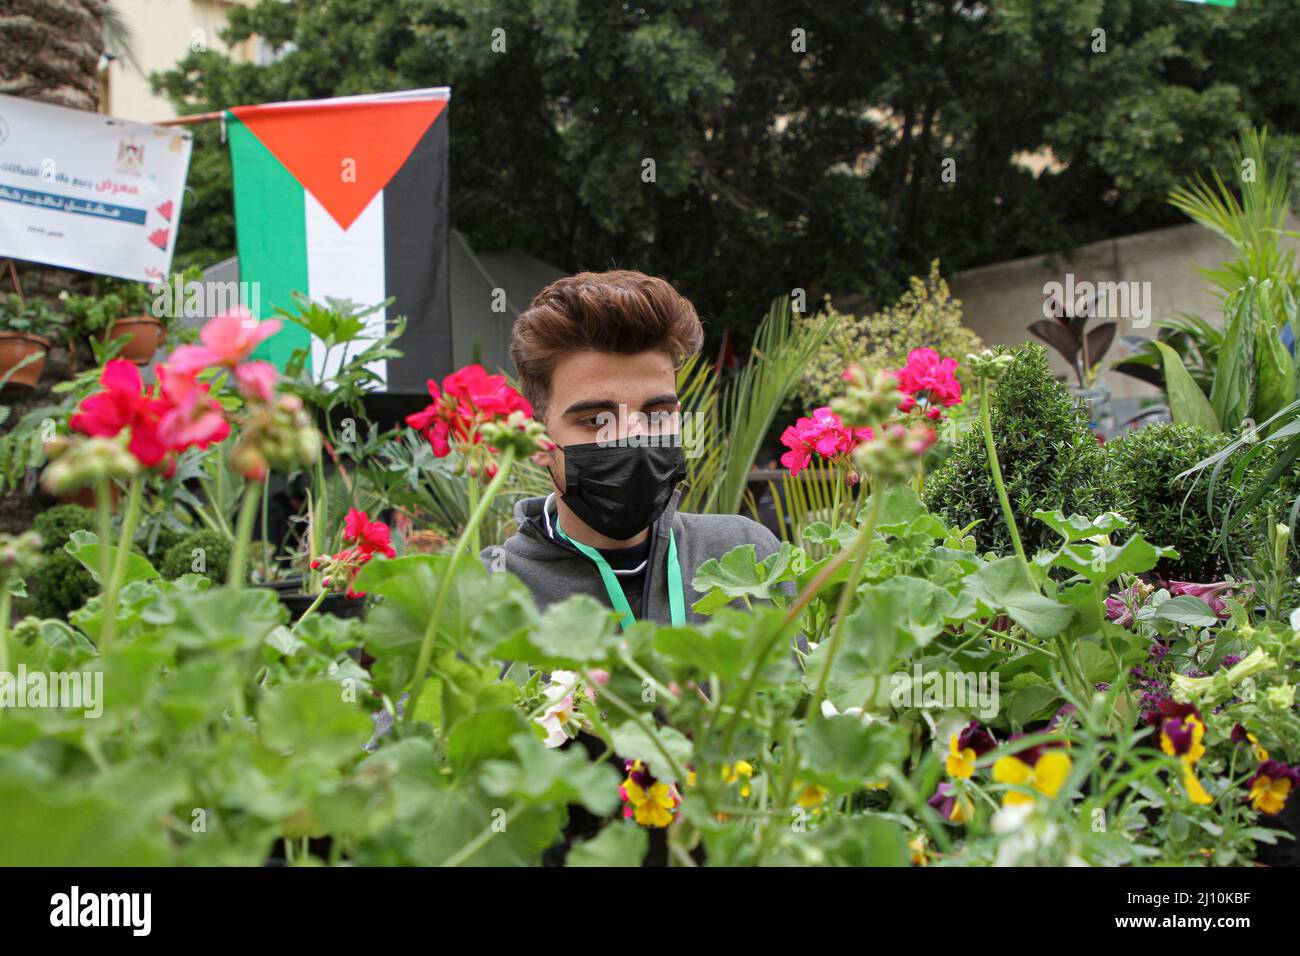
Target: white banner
<point>86,191</point>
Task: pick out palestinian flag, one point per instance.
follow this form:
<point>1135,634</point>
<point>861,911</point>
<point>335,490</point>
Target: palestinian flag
<point>347,197</point>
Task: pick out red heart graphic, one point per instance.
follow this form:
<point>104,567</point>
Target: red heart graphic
<point>159,238</point>
<point>165,210</point>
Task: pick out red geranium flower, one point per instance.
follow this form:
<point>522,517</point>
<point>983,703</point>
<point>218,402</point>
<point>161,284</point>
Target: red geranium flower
<point>124,404</point>
<point>930,377</point>
<point>468,398</point>
<point>365,538</point>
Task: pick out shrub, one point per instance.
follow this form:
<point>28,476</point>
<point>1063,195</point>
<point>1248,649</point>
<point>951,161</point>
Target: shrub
<point>926,315</point>
<point>1049,456</point>
<point>215,551</point>
<point>1144,466</point>
<point>60,585</point>
<point>56,525</point>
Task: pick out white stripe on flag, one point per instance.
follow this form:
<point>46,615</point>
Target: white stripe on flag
<point>346,265</point>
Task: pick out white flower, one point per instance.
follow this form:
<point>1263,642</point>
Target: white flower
<point>561,719</point>
<point>828,710</point>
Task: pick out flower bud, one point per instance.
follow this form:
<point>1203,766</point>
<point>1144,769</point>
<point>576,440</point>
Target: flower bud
<point>868,404</point>
<point>84,462</point>
<point>991,364</point>
<point>18,555</point>
<point>520,432</point>
<point>894,455</point>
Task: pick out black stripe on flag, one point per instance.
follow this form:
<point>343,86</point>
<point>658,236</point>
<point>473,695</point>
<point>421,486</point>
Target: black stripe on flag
<point>416,266</point>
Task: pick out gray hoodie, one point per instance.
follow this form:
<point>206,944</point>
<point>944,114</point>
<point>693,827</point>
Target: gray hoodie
<point>554,570</point>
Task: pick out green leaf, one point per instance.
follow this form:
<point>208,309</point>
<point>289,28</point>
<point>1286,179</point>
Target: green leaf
<point>1103,563</point>
<point>726,645</point>
<point>864,840</point>
<point>219,619</point>
<point>1187,403</point>
<point>1005,585</point>
<point>845,753</point>
<point>313,720</point>
<point>619,844</point>
<point>552,776</point>
<point>483,735</point>
<point>1186,609</point>
<point>574,633</point>
<point>1077,527</point>
<point>85,547</point>
<point>739,574</point>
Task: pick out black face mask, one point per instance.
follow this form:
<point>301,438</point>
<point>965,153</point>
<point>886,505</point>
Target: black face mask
<point>618,490</point>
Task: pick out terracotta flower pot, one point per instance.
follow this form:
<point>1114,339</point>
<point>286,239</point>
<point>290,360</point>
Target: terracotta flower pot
<point>87,499</point>
<point>16,346</point>
<point>146,334</point>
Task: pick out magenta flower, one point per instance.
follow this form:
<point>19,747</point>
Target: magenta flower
<point>228,340</point>
<point>823,434</point>
<point>1211,594</point>
<point>257,380</point>
<point>930,378</point>
<point>193,418</point>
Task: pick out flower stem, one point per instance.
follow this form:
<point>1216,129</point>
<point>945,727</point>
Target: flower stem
<point>5,598</point>
<point>996,469</point>
<point>861,547</point>
<point>444,586</point>
<point>243,533</point>
<point>320,599</point>
<point>471,493</point>
<point>108,623</point>
<point>104,505</point>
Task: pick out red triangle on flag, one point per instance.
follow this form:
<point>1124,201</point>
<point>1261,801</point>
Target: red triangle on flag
<point>342,153</point>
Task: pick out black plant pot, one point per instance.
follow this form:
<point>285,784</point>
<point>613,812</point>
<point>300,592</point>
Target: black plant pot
<point>336,603</point>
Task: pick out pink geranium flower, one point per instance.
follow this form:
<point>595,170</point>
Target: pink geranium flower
<point>192,418</point>
<point>257,380</point>
<point>823,434</point>
<point>228,340</point>
<point>928,378</point>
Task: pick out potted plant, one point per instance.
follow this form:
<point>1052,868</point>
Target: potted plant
<point>27,329</point>
<point>145,315</point>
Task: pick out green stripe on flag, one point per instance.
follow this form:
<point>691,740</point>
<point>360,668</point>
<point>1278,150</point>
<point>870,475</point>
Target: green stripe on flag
<point>1214,3</point>
<point>271,235</point>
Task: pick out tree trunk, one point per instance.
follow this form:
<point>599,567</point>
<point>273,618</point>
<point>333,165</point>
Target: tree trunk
<point>50,49</point>
<point>49,52</point>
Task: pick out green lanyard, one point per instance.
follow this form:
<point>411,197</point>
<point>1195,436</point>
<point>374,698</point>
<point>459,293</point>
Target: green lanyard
<point>676,595</point>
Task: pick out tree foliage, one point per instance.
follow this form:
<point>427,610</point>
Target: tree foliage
<point>825,146</point>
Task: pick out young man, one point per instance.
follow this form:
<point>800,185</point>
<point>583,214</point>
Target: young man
<point>597,356</point>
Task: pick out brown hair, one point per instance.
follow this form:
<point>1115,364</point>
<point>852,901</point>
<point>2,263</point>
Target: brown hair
<point>623,312</point>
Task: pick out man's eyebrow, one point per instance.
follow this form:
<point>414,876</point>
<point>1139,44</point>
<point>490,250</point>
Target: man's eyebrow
<point>668,398</point>
<point>606,404</point>
<point>591,405</point>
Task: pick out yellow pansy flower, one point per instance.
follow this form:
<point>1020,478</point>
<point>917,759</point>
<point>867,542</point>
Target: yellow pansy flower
<point>1047,775</point>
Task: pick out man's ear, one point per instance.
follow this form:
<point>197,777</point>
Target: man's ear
<point>553,461</point>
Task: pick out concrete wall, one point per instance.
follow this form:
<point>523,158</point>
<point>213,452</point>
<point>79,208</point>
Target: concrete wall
<point>163,32</point>
<point>1001,300</point>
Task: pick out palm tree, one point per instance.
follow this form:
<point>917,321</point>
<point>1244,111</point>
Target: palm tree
<point>50,50</point>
